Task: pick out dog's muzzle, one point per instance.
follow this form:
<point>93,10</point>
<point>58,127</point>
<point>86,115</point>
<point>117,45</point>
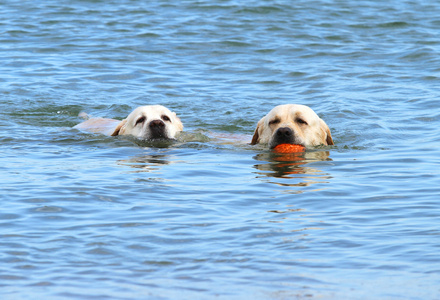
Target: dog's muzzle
<point>283,135</point>
<point>157,129</point>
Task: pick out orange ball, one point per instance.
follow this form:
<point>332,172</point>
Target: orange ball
<point>289,148</point>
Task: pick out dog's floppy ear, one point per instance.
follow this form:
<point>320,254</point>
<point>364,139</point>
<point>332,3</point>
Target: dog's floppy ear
<point>329,138</point>
<point>120,129</point>
<point>256,137</point>
<point>328,135</point>
<point>178,123</point>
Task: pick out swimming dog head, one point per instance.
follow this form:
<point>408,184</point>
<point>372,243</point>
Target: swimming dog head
<point>292,124</point>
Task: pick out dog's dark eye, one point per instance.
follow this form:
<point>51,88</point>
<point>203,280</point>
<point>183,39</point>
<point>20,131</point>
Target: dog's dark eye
<point>166,118</point>
<point>274,121</point>
<point>140,120</point>
<point>301,121</point>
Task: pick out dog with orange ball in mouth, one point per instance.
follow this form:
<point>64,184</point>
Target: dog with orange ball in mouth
<point>292,128</point>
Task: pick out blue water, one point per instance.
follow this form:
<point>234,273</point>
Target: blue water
<point>85,216</point>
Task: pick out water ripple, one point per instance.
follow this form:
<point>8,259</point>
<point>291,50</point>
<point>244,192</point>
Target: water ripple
<point>94,216</point>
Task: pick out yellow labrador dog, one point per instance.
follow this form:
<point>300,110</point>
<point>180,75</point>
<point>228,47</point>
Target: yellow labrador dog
<point>292,124</point>
<point>145,122</point>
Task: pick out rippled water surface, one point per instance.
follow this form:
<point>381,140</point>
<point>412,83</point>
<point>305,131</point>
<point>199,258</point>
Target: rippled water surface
<point>85,216</point>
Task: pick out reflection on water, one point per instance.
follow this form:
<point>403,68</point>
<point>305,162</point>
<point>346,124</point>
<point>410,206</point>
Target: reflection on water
<point>146,163</point>
<point>295,166</point>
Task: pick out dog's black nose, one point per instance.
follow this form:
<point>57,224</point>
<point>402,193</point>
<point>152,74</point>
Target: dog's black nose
<point>156,124</point>
<point>284,132</point>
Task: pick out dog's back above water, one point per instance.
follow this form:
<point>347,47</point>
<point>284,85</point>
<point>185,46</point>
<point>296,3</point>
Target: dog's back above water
<point>145,122</point>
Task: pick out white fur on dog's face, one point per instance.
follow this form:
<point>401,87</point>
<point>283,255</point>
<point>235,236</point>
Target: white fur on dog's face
<point>150,122</point>
<point>292,124</point>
